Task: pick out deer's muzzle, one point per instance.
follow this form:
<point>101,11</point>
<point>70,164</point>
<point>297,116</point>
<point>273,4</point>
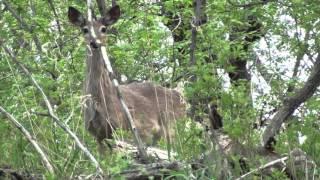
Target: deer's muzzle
<point>95,44</point>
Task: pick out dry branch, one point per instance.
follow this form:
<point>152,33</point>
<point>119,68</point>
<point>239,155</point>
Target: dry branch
<point>269,164</point>
<point>159,154</point>
<point>51,112</point>
<point>291,103</point>
<point>155,170</point>
<point>29,137</point>
<point>227,147</point>
<point>249,5</point>
<point>297,156</point>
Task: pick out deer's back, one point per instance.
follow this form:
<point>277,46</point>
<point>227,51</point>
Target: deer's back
<point>153,98</point>
<point>154,108</point>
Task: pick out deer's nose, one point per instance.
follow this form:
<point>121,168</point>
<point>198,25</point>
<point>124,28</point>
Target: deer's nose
<point>94,44</point>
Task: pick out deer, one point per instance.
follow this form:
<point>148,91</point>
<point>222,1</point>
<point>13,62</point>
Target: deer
<point>154,108</point>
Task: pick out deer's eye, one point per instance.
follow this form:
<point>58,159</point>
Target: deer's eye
<point>103,29</point>
<point>85,30</point>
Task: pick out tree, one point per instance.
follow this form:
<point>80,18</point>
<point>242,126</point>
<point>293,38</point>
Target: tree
<point>245,67</point>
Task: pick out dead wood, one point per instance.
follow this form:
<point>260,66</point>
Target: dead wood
<point>30,138</point>
<point>7,173</point>
<point>154,170</point>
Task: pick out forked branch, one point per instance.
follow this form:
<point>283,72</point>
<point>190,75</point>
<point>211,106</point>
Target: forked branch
<point>269,164</point>
<point>293,102</point>
<point>51,112</point>
<point>24,24</point>
<point>29,137</point>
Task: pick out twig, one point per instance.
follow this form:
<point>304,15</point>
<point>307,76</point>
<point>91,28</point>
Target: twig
<point>159,154</point>
<point>23,24</point>
<point>299,58</point>
<point>264,166</point>
<point>51,112</point>
<point>41,113</point>
<point>29,137</point>
<point>5,77</point>
<point>102,7</point>
<point>137,139</point>
<point>154,169</point>
<point>248,5</point>
<point>51,5</point>
<point>179,22</point>
<point>56,16</point>
<point>291,103</point>
<point>262,69</point>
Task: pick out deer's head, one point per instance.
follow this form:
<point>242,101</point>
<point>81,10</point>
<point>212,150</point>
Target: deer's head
<point>95,31</point>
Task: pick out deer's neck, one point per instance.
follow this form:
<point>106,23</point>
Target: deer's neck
<point>101,100</point>
<point>98,83</point>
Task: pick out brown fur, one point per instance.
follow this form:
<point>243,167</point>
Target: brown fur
<point>153,108</point>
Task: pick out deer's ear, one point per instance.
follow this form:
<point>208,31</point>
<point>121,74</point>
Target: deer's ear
<point>76,17</point>
<point>112,16</point>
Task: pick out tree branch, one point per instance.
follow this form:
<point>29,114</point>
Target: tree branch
<point>29,137</point>
<point>51,5</point>
<point>125,109</point>
<point>195,23</point>
<point>156,153</point>
<point>269,164</point>
<point>23,24</point>
<point>248,5</point>
<point>51,112</point>
<point>297,157</point>
<point>290,104</point>
<point>263,71</point>
<point>102,7</point>
<point>156,170</point>
<point>302,51</point>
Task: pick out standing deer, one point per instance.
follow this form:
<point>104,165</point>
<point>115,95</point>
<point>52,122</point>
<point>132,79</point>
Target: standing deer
<point>153,108</point>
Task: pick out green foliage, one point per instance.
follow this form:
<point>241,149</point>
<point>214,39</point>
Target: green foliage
<point>189,141</point>
<point>277,175</point>
<point>142,49</point>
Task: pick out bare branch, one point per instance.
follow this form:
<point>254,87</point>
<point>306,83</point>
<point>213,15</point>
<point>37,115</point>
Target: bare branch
<point>56,17</point>
<point>51,112</point>
<point>159,154</point>
<point>154,170</point>
<point>263,71</point>
<point>179,22</point>
<point>23,24</point>
<point>102,7</point>
<point>195,23</point>
<point>248,5</point>
<point>298,158</point>
<point>291,103</point>
<point>29,137</point>
<point>269,164</point>
<point>137,139</point>
<point>303,50</point>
